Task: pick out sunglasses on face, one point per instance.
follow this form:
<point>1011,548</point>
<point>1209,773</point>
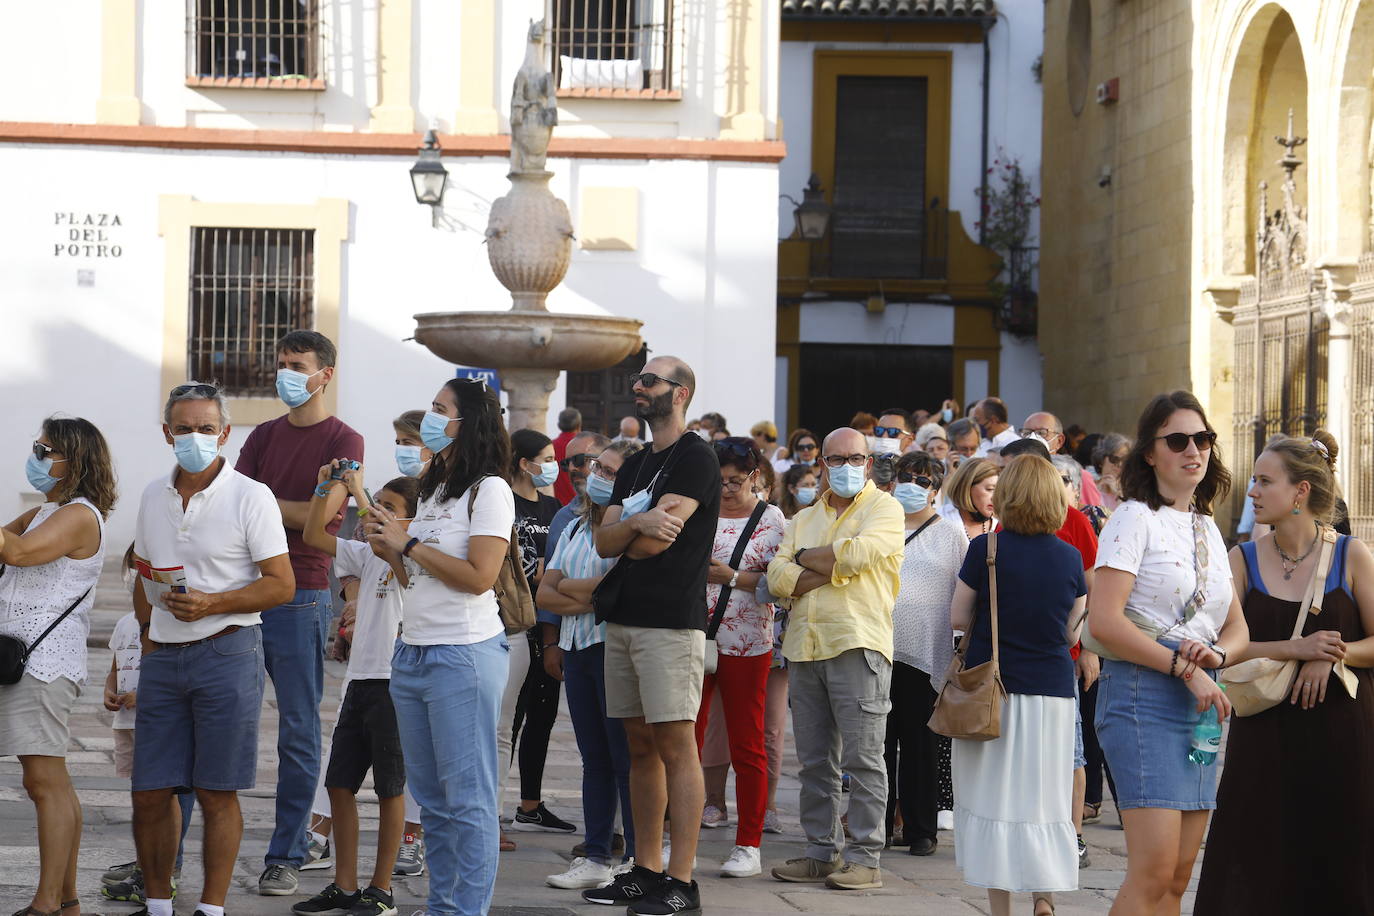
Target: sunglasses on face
<point>1178,442</point>
<point>806,446</point>
<point>647,380</point>
<point>920,480</point>
<point>888,432</point>
<point>41,451</point>
<point>575,461</point>
<point>1117,459</point>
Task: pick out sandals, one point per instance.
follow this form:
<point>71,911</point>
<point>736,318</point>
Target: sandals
<point>1038,899</point>
<point>68,904</point>
<point>30,911</point>
<point>1091,812</point>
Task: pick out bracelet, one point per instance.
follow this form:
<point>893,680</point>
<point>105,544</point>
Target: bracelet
<point>1173,663</point>
<point>410,545</point>
<point>550,645</point>
<point>796,557</point>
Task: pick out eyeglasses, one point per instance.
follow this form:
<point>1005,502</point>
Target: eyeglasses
<point>1066,478</point>
<point>839,461</point>
<point>920,480</point>
<point>576,461</point>
<point>41,451</point>
<point>599,469</point>
<point>208,391</point>
<point>649,380</point>
<point>734,486</point>
<point>1117,459</point>
<point>806,446</point>
<point>1178,442</point>
<point>888,432</point>
<point>1041,431</point>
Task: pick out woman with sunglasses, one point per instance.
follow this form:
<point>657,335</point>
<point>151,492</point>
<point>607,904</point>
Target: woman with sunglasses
<point>802,448</point>
<point>744,641</point>
<point>52,556</point>
<point>1164,617</point>
<point>1108,457</point>
<point>922,650</point>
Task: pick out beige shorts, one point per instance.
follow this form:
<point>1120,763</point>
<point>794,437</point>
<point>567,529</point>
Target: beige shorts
<point>33,717</point>
<point>124,752</point>
<point>653,673</point>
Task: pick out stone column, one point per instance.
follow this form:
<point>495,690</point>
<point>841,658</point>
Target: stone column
<point>527,397</point>
<point>1337,279</point>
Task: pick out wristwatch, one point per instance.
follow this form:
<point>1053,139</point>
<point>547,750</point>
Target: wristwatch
<point>796,557</point>
<point>1222,652</point>
<point>734,580</point>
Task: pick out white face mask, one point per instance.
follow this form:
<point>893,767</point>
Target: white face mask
<point>885,446</point>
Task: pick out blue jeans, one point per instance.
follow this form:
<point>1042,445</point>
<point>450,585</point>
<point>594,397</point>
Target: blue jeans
<point>448,701</point>
<point>605,754</point>
<point>293,637</point>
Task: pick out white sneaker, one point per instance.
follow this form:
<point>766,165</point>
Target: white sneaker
<point>944,820</point>
<point>771,822</point>
<point>743,863</point>
<point>711,816</point>
<point>581,874</point>
<point>668,853</point>
<point>622,868</point>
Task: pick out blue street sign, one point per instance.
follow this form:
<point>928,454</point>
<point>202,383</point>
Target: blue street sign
<point>489,376</point>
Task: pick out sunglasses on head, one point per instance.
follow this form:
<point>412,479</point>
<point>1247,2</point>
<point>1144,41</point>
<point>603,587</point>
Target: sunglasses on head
<point>738,447</point>
<point>1178,442</point>
<point>921,480</point>
<point>576,461</point>
<point>888,432</point>
<point>649,380</point>
<point>209,391</point>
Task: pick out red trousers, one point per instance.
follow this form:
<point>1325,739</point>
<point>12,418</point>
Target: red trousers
<point>743,685</point>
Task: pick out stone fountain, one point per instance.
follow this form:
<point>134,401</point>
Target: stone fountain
<point>529,245</point>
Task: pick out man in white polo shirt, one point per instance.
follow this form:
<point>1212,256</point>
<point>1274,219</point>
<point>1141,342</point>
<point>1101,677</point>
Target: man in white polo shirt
<point>211,554</point>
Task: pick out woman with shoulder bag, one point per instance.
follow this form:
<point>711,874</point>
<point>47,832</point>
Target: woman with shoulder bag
<point>1292,829</point>
<point>451,661</point>
<point>1012,830</point>
<point>53,556</point>
<point>1163,615</point>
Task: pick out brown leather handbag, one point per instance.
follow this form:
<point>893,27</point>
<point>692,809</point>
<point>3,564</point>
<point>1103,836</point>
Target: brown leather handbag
<point>970,703</point>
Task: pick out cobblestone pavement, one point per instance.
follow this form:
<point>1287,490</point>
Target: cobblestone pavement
<point>911,885</point>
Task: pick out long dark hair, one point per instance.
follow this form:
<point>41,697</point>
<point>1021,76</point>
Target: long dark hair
<point>1138,479</point>
<point>482,448</point>
<point>525,445</point>
<point>89,471</point>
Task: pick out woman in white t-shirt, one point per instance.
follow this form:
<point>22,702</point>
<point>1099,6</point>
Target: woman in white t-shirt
<point>451,661</point>
<point>1163,616</point>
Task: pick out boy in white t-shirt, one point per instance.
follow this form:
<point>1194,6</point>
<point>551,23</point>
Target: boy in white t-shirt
<point>366,735</point>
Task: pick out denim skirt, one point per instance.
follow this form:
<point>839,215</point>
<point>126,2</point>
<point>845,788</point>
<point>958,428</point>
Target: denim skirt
<point>1145,722</point>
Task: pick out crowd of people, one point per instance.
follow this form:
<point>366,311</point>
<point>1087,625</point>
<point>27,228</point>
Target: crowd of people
<point>695,592</point>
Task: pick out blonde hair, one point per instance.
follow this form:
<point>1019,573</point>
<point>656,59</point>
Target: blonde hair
<point>408,423</point>
<point>959,488</point>
<point>1030,496</point>
<point>1314,461</point>
<point>765,428</point>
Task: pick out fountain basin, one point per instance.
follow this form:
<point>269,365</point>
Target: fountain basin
<point>528,339</point>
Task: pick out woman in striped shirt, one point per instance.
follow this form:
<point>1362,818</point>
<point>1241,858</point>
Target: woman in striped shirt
<point>573,572</point>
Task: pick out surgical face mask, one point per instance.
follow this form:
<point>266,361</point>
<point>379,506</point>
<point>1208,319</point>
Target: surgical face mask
<point>947,415</point>
<point>912,497</point>
<point>432,433</point>
<point>847,481</point>
<point>599,490</point>
<point>887,446</point>
<point>872,442</point>
<point>408,460</point>
<point>37,472</point>
<point>635,504</point>
<point>548,473</point>
<point>806,495</point>
<point>195,451</point>
<point>291,386</point>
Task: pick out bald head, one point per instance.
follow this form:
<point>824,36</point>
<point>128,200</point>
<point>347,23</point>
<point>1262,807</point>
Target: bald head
<point>670,367</point>
<point>1047,426</point>
<point>844,441</point>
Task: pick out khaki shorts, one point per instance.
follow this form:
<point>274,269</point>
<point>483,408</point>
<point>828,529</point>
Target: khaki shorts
<point>653,673</point>
<point>124,752</point>
<point>33,716</point>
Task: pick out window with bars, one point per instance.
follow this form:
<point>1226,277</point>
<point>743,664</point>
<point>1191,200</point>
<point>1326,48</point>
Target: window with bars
<point>253,42</point>
<point>249,287</point>
<point>612,47</point>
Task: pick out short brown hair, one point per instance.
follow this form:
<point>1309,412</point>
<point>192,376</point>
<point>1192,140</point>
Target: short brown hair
<point>861,419</point>
<point>959,487</point>
<point>1029,498</point>
<point>408,423</point>
<point>1138,480</point>
<point>1312,460</point>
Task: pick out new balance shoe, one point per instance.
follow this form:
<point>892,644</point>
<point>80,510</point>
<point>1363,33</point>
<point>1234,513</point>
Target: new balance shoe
<point>634,884</point>
<point>332,901</point>
<point>373,902</point>
<point>541,818</point>
<point>279,881</point>
<point>581,873</point>
<point>410,860</point>
<point>671,898</point>
<point>317,855</point>
<point>118,874</point>
<point>743,862</point>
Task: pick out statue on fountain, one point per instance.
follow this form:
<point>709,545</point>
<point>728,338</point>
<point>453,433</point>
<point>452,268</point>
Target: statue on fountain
<point>533,107</point>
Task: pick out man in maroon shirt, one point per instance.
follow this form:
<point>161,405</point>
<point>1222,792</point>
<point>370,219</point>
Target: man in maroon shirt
<point>569,426</point>
<point>286,454</point>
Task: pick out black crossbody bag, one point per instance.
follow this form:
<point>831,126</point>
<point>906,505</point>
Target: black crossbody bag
<point>14,655</point>
<point>723,600</point>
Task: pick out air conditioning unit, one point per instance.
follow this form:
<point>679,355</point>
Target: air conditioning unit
<point>1109,92</point>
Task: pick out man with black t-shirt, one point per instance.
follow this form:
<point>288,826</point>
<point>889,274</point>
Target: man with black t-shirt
<point>661,523</point>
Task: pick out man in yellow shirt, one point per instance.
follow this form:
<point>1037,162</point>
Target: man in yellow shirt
<point>839,564</point>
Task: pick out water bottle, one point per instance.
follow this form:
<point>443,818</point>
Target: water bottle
<point>1206,738</point>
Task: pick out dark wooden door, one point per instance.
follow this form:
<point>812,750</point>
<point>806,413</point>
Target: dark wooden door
<point>604,395</point>
<point>838,380</point>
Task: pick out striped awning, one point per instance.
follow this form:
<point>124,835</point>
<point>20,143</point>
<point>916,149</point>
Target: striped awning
<point>888,9</point>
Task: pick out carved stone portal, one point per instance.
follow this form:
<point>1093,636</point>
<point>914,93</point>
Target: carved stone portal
<point>1281,239</point>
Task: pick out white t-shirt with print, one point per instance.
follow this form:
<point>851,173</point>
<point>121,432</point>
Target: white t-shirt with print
<point>128,653</point>
<point>434,613</point>
<point>1159,548</point>
<point>378,610</point>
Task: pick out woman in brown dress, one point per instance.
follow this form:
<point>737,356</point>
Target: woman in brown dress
<point>1292,832</point>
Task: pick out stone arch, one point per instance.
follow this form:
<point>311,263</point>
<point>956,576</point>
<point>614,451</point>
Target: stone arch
<point>1350,221</point>
<point>1268,76</point>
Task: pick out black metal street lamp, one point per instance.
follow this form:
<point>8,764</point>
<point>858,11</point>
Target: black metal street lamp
<point>813,213</point>
<point>428,176</point>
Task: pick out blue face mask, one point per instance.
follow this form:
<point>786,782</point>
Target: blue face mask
<point>408,460</point>
<point>947,415</point>
<point>806,495</point>
<point>912,497</point>
<point>291,387</point>
<point>195,451</point>
<point>432,431</point>
<point>37,472</point>
<point>548,473</point>
<point>847,481</point>
<point>635,504</point>
<point>599,489</point>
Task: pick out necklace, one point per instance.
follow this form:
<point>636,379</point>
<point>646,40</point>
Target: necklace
<point>1290,564</point>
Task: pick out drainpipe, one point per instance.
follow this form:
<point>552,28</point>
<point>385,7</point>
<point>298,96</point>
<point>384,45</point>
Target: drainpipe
<point>987,69</point>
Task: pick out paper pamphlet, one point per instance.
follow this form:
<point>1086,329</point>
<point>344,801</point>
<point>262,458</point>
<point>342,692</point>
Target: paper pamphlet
<point>158,582</point>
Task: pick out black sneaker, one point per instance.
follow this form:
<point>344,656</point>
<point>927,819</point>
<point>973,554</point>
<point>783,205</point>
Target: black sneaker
<point>671,897</point>
<point>374,902</point>
<point>635,884</point>
<point>329,902</point>
<point>541,818</point>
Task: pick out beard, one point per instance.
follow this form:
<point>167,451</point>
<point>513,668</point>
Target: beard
<point>660,407</point>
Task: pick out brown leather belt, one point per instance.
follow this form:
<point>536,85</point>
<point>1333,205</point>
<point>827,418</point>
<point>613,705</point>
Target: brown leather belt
<point>195,642</point>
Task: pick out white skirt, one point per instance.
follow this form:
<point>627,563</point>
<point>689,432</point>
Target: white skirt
<point>1013,828</point>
